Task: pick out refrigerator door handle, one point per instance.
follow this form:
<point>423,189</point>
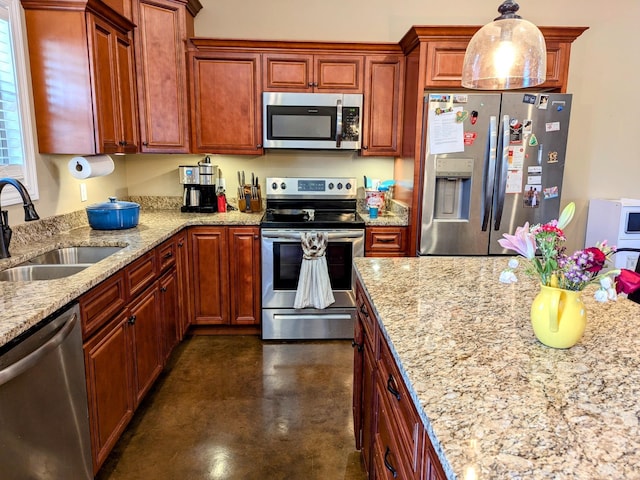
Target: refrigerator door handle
<point>501,171</point>
<point>490,171</point>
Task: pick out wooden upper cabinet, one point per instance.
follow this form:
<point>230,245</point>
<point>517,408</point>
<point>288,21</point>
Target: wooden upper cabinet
<point>331,72</point>
<point>123,7</point>
<point>163,26</point>
<point>383,93</point>
<point>82,72</point>
<point>225,93</point>
<point>445,48</point>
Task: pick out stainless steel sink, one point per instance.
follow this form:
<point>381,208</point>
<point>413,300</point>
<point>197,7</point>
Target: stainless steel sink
<point>28,273</point>
<point>73,255</point>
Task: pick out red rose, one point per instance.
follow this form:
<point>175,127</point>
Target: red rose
<point>598,259</point>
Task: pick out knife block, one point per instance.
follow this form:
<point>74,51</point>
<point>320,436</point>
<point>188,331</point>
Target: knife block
<point>251,199</point>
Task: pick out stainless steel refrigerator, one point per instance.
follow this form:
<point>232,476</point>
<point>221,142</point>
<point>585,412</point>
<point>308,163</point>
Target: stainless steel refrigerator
<point>492,162</point>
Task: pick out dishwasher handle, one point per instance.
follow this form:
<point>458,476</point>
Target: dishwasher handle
<point>29,361</point>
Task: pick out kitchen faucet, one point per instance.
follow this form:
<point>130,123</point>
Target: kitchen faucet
<point>30,214</point>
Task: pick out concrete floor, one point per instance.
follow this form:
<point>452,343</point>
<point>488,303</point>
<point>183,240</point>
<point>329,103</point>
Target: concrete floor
<point>239,408</point>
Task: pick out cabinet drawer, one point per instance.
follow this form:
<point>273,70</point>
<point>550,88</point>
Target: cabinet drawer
<point>390,458</point>
<point>141,273</point>
<point>366,315</point>
<point>402,410</point>
<point>167,255</point>
<point>387,241</point>
<point>101,303</point>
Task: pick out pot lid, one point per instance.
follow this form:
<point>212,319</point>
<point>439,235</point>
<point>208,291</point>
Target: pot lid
<point>113,204</point>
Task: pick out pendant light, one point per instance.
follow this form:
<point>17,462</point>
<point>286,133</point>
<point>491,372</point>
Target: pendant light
<point>508,53</point>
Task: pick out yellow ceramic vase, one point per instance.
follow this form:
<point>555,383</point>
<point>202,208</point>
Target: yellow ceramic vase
<point>558,317</point>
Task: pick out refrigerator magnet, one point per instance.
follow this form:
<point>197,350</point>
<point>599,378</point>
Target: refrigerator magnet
<point>474,117</point>
<point>550,192</point>
<point>531,197</point>
<point>527,127</point>
<point>529,98</point>
<point>515,132</point>
<point>533,140</point>
<point>543,102</point>
<point>470,138</point>
<point>552,157</point>
<point>461,116</point>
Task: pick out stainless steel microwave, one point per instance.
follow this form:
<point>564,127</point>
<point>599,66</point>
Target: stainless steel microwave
<point>327,121</point>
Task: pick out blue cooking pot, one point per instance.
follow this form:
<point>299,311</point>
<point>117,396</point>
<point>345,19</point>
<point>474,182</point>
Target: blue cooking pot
<point>113,215</point>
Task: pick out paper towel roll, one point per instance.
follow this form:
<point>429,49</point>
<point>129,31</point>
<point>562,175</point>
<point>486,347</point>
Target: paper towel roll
<point>91,166</point>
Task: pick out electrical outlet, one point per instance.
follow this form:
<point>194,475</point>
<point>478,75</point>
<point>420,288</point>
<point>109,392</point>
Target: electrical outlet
<point>83,192</point>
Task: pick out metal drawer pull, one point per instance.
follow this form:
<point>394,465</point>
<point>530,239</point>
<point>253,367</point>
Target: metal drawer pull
<point>168,255</point>
<point>388,464</point>
<point>385,239</point>
<point>356,344</point>
<point>364,310</point>
<point>391,388</point>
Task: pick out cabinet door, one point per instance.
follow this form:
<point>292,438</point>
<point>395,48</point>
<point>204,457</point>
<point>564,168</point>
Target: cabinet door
<point>382,125</point>
<point>169,313</point>
<point>102,39</point>
<point>162,76</point>
<point>244,269</point>
<point>145,319</point>
<point>226,114</point>
<point>107,358</point>
<point>184,290</point>
<point>338,73</point>
<point>123,7</point>
<point>210,277</point>
<point>127,104</point>
<point>285,72</point>
<point>358,376</point>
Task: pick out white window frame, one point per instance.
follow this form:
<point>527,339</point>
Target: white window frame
<point>12,11</point>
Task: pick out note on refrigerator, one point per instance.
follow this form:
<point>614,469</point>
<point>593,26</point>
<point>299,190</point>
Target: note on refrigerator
<point>446,135</point>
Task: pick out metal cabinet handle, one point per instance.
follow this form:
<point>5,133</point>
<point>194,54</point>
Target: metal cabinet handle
<point>259,145</point>
<point>146,144</point>
<point>168,255</point>
<point>181,244</point>
<point>388,464</point>
<point>163,289</point>
<point>356,344</point>
<point>364,311</point>
<point>132,320</point>
<point>392,388</point>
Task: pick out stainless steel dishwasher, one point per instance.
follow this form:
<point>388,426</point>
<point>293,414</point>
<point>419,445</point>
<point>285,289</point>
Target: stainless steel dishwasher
<point>44,420</point>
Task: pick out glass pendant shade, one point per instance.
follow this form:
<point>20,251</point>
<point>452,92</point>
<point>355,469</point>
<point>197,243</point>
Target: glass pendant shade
<point>505,54</point>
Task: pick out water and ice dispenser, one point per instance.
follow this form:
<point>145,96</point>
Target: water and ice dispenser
<point>453,188</point>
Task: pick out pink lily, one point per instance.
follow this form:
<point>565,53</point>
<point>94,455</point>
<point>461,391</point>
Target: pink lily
<point>523,242</point>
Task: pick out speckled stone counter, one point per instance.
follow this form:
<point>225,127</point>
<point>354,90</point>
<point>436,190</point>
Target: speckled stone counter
<point>24,304</point>
<point>496,403</point>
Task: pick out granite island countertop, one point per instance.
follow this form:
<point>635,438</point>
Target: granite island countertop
<point>24,304</point>
<point>496,403</point>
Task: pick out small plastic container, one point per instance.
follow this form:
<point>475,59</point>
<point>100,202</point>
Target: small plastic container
<point>373,212</point>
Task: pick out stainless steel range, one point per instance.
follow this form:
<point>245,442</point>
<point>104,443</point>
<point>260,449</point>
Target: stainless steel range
<point>294,206</point>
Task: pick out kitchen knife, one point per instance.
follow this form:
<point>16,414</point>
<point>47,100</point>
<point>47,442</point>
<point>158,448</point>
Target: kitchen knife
<point>253,179</point>
<point>243,179</point>
<point>239,180</point>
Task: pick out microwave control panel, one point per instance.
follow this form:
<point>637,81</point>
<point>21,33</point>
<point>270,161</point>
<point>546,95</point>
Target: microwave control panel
<point>351,124</point>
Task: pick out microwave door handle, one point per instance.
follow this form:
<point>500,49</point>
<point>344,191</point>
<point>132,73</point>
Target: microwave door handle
<point>338,123</point>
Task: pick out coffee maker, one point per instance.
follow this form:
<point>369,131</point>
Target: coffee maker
<point>199,194</point>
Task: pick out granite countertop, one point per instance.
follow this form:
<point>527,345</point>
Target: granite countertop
<point>24,304</point>
<point>496,403</point>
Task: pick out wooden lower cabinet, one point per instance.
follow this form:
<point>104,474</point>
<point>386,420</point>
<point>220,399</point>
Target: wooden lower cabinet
<point>171,319</point>
<point>385,241</point>
<point>109,371</point>
<point>389,431</point>
<point>144,317</point>
<point>225,275</point>
<point>184,282</point>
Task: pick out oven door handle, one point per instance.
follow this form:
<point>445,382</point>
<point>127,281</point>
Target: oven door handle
<point>296,235</point>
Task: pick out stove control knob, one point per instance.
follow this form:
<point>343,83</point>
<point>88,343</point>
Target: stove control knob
<point>348,186</point>
<point>339,186</point>
<point>331,185</point>
<point>283,186</point>
<point>274,186</point>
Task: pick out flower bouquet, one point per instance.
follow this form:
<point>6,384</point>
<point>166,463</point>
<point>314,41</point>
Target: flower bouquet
<point>553,266</point>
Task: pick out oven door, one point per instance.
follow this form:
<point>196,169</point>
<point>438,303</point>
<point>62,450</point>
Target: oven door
<point>282,260</point>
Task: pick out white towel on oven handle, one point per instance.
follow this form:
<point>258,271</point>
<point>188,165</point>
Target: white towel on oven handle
<point>314,286</point>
